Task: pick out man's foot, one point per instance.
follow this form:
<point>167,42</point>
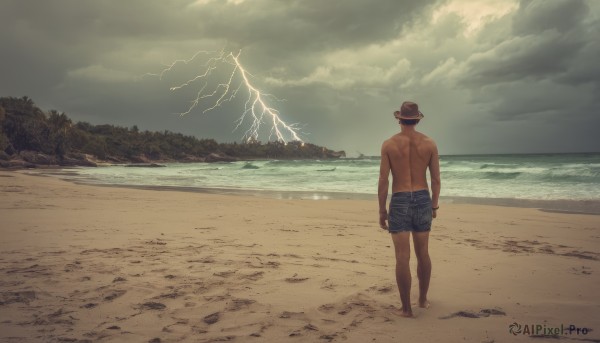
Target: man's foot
<point>402,313</point>
<point>424,303</point>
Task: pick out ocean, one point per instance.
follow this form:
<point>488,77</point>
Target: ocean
<point>531,177</point>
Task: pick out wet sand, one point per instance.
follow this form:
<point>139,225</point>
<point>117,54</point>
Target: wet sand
<point>82,263</point>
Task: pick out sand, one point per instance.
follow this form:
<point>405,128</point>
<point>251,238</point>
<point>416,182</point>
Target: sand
<point>82,263</point>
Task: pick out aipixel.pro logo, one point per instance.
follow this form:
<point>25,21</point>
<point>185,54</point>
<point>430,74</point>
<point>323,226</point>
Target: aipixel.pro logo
<point>546,330</point>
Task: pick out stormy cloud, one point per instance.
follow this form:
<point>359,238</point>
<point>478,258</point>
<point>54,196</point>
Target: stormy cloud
<point>490,76</point>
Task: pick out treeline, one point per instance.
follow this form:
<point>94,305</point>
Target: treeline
<point>25,127</point>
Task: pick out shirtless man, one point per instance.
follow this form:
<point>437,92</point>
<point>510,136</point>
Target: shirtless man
<point>408,154</point>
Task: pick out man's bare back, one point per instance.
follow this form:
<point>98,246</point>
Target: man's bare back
<point>409,154</point>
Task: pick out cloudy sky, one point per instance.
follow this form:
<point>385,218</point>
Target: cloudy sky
<point>491,76</point>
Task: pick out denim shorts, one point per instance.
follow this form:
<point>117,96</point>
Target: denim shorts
<point>410,211</point>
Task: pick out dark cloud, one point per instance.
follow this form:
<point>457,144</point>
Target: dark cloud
<point>310,25</point>
<point>547,54</point>
<point>538,16</point>
<point>546,38</point>
<point>542,71</point>
<point>341,67</point>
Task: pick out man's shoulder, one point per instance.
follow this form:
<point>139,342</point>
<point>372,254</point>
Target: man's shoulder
<point>426,139</point>
<point>390,140</point>
<point>393,141</point>
<point>387,144</point>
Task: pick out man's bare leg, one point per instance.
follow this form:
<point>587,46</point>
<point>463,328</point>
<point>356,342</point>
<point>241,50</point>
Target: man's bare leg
<point>421,243</point>
<point>403,279</point>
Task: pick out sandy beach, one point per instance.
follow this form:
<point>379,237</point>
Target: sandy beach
<point>82,263</point>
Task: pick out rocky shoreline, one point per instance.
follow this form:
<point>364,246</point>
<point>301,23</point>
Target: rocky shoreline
<point>34,159</point>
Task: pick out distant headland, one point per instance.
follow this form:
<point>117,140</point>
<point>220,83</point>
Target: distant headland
<point>31,137</point>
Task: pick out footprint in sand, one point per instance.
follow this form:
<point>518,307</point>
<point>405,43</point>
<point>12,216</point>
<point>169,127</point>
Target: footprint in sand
<point>17,297</point>
<point>76,265</point>
<point>581,271</point>
<point>115,294</point>
<point>205,228</point>
<point>254,276</point>
<point>212,318</point>
<point>584,255</point>
<point>292,315</point>
<point>327,284</point>
<point>296,279</point>
<point>356,308</point>
<point>307,327</point>
<point>291,256</point>
<point>158,241</point>
<point>326,308</point>
<point>328,337</point>
<point>202,260</point>
<point>486,312</point>
<point>382,289</point>
<point>224,274</point>
<point>172,295</point>
<point>152,305</point>
<point>238,304</point>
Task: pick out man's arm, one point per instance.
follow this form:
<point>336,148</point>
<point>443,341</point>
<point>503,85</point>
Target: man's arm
<point>382,189</point>
<point>436,182</point>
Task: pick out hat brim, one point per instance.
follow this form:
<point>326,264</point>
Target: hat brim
<point>419,116</point>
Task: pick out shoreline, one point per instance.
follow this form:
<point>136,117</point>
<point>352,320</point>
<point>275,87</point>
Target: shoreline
<point>590,207</point>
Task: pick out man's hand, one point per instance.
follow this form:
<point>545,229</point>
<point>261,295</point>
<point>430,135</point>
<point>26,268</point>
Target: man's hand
<point>434,213</point>
<point>383,217</point>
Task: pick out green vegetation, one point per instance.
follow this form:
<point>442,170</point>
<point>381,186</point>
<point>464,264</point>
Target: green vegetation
<point>25,127</point>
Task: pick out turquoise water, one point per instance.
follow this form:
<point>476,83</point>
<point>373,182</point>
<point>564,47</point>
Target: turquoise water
<point>535,177</point>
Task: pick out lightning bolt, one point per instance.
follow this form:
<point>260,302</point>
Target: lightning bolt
<point>256,108</point>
